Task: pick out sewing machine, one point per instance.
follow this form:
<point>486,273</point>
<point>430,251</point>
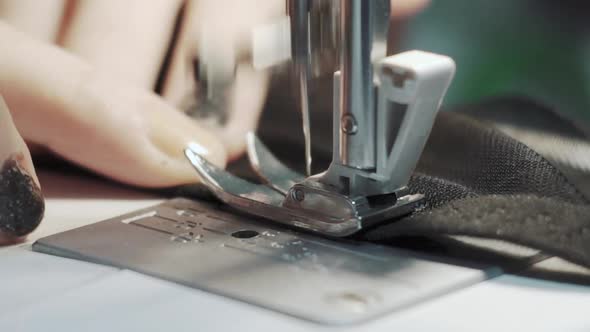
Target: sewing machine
<point>197,264</point>
<point>273,245</point>
<point>384,109</point>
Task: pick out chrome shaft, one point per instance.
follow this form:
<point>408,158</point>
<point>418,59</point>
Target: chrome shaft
<point>357,110</point>
<point>299,15</point>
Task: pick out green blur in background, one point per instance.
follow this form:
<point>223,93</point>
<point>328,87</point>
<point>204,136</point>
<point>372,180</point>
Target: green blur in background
<point>535,48</point>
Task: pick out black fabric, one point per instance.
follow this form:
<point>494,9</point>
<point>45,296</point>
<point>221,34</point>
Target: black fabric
<point>480,160</point>
<point>477,180</point>
<point>551,225</point>
<point>480,182</point>
<point>543,129</point>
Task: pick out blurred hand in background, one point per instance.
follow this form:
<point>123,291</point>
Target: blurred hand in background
<point>78,78</point>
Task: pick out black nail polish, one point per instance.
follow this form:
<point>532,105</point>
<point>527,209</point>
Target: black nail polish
<point>21,202</point>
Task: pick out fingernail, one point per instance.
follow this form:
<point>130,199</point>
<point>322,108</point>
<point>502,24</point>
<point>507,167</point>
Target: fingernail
<point>21,202</point>
<point>172,133</point>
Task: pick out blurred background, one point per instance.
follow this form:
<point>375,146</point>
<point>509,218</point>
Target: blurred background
<point>537,48</point>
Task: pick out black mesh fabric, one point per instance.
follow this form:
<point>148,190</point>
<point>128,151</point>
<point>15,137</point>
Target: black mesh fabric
<point>470,158</point>
<point>478,181</point>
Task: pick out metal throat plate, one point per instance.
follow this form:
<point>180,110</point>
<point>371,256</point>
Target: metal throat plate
<point>201,246</point>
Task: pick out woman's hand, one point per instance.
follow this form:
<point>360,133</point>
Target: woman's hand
<point>21,202</point>
<point>78,75</point>
<point>78,79</point>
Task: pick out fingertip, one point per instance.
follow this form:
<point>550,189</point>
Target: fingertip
<point>12,145</point>
<point>404,8</point>
<point>23,206</point>
<point>247,101</point>
<point>172,131</point>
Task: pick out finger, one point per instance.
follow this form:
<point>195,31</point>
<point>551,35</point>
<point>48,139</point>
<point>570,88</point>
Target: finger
<point>219,37</point>
<point>21,202</point>
<point>127,39</point>
<point>250,86</point>
<point>23,14</point>
<point>403,8</point>
<point>180,78</point>
<point>246,103</point>
<point>116,130</point>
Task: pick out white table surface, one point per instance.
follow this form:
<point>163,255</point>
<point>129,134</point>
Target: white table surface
<point>45,293</point>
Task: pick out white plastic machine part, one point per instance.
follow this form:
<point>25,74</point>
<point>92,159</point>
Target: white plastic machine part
<point>413,84</point>
<point>410,88</point>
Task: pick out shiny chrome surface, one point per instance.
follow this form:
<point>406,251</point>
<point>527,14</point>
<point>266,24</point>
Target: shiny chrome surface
<point>324,20</point>
<point>298,11</point>
<point>409,88</point>
<point>269,168</point>
<point>201,246</point>
<point>308,205</point>
<point>356,104</point>
<point>384,109</point>
<point>262,201</point>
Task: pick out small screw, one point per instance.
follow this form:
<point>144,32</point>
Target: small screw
<point>298,195</point>
<point>348,124</point>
